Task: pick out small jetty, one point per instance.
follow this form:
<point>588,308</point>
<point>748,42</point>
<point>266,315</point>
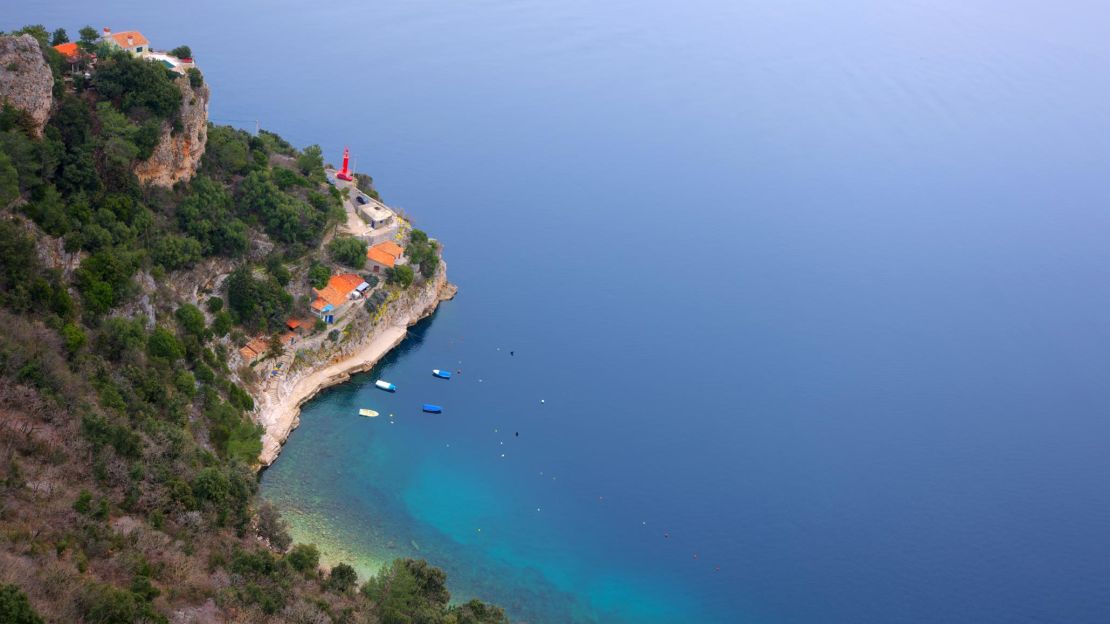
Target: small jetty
<point>385,385</point>
<point>433,409</point>
<point>442,374</point>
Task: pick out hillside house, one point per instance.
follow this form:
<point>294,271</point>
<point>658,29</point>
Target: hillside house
<point>384,255</point>
<point>70,51</point>
<point>134,42</point>
<point>254,349</point>
<point>331,300</point>
<point>131,41</point>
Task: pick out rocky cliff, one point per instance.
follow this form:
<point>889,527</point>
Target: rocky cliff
<point>178,154</point>
<point>278,400</point>
<point>26,82</point>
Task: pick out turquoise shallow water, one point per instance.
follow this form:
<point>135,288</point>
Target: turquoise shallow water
<point>472,490</point>
<point>816,288</point>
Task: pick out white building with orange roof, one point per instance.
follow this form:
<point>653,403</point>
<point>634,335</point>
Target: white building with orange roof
<point>132,41</point>
<point>385,255</point>
<point>332,300</point>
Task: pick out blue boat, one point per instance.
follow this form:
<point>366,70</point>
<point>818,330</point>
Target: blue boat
<point>442,374</point>
<point>432,409</point>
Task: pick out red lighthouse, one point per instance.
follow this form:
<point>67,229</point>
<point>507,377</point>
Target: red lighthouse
<point>345,173</point>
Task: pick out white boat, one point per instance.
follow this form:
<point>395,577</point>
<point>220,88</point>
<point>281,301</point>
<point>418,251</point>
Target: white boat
<point>385,385</point>
<point>442,374</point>
<point>369,413</point>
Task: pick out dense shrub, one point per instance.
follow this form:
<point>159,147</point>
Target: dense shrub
<point>206,215</point>
<point>100,432</point>
<point>348,250</point>
<point>163,344</point>
<point>176,252</point>
<point>272,527</point>
<point>15,608</point>
<point>304,558</point>
<point>191,320</point>
<point>135,85</point>
<point>401,275</point>
<point>286,218</point>
<point>342,578</point>
<point>259,303</point>
<point>318,275</point>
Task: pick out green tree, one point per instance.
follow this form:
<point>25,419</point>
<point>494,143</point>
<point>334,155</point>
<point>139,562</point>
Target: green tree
<point>119,337</point>
<point>191,320</point>
<point>182,52</point>
<point>176,252</point>
<point>83,504</point>
<point>476,612</point>
<point>409,590</point>
<point>73,337</point>
<point>59,37</point>
<point>221,324</point>
<point>104,279</point>
<point>304,558</point>
<point>318,275</point>
<point>259,303</point>
<point>212,485</point>
<point>163,344</point>
<point>104,604</point>
<point>134,83</point>
<point>88,38</point>
<point>196,79</point>
<point>311,161</point>
<point>348,250</point>
<point>278,269</point>
<point>38,31</point>
<point>15,608</point>
<point>342,578</point>
<point>9,181</point>
<point>401,275</point>
<point>286,218</point>
<point>206,215</point>
<point>272,526</point>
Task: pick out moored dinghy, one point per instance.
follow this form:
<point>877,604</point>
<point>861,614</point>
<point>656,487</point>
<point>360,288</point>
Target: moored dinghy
<point>385,385</point>
<point>442,374</point>
<point>368,413</point>
<point>432,409</point>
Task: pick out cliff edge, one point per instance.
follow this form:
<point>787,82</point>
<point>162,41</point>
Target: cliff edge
<point>178,153</point>
<point>279,400</point>
<point>26,81</point>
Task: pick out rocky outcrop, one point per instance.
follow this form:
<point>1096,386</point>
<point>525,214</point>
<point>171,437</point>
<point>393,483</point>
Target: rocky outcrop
<point>278,401</point>
<point>26,82</point>
<point>178,154</point>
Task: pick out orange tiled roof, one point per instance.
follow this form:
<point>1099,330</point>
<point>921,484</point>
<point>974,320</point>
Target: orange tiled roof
<point>137,39</point>
<point>337,290</point>
<point>391,248</point>
<point>248,353</point>
<point>68,50</point>
<point>385,254</point>
<point>292,323</point>
<point>288,337</point>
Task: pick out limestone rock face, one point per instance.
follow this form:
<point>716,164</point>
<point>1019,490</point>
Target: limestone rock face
<point>25,80</point>
<point>177,155</point>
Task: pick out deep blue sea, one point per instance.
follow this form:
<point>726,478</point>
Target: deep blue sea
<point>770,311</point>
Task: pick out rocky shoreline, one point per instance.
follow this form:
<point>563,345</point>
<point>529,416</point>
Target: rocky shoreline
<point>278,402</point>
